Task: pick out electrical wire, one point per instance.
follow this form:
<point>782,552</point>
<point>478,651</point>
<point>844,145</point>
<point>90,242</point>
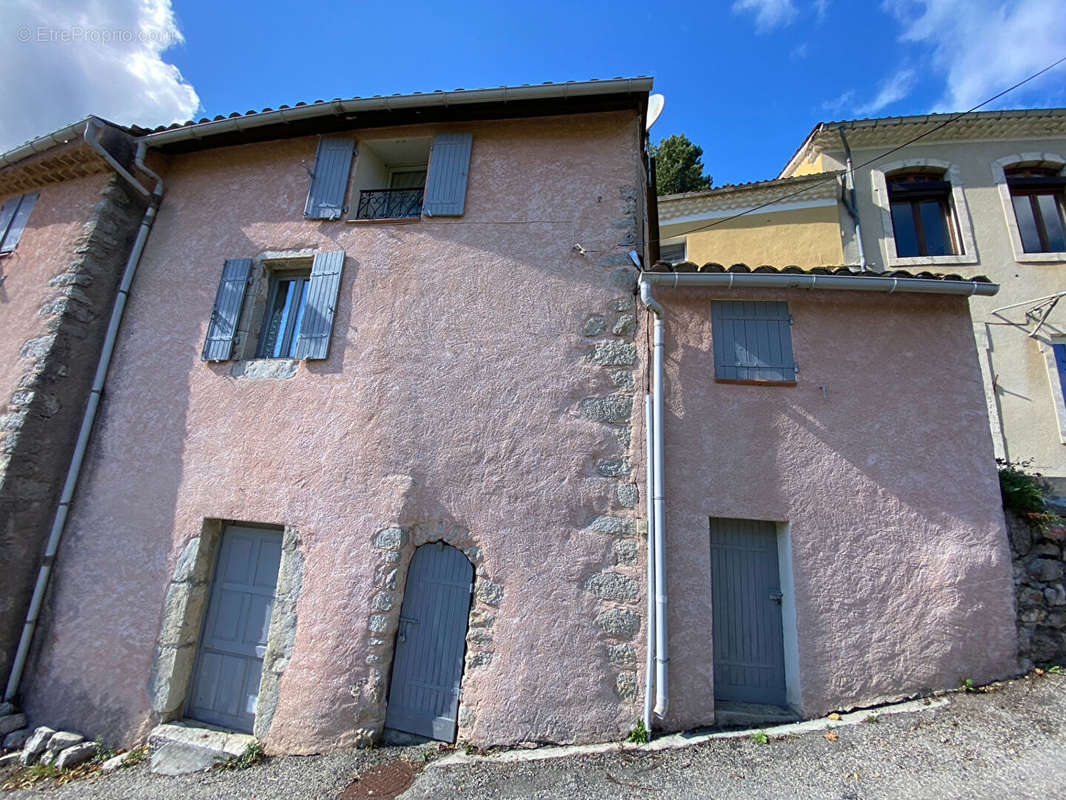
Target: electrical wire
<point>908,143</point>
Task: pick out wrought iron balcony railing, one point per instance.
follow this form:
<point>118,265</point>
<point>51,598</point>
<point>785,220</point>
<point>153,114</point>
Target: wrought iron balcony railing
<point>389,203</point>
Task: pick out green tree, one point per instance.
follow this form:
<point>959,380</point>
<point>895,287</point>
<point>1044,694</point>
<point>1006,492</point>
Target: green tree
<point>678,166</point>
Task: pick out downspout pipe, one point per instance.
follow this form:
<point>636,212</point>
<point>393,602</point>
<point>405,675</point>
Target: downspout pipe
<point>44,574</point>
<point>850,202</point>
<point>649,488</point>
<point>658,531</point>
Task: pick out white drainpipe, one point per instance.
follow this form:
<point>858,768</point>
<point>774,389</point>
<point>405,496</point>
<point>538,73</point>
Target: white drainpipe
<point>658,520</point>
<point>649,488</point>
<point>73,471</point>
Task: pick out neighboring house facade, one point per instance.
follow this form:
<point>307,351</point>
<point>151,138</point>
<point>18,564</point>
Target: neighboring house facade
<point>66,224</point>
<point>826,549</point>
<point>980,195</point>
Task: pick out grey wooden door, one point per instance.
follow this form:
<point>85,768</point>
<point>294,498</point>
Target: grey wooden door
<point>749,661</point>
<point>230,660</point>
<point>428,666</point>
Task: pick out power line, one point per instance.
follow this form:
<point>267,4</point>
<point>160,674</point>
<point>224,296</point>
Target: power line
<point>896,149</point>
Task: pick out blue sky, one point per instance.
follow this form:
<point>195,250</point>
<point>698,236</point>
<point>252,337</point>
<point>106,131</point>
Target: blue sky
<point>746,80</point>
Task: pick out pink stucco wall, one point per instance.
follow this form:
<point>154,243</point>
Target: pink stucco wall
<point>45,249</point>
<point>450,394</point>
<point>887,481</point>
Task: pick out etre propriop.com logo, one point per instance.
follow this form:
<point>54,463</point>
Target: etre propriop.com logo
<point>79,34</point>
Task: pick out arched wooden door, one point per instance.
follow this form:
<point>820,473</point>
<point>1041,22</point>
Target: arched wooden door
<point>428,665</point>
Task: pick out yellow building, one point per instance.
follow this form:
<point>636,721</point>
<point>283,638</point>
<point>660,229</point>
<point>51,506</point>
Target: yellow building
<point>726,225</point>
<point>980,194</point>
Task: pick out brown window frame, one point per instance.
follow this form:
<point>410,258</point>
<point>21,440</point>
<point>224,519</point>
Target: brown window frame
<point>1034,182</point>
<point>914,188</point>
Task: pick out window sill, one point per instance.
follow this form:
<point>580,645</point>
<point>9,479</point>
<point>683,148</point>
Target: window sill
<point>390,220</point>
<point>1039,258</point>
<point>265,368</point>
<point>752,382</point>
<point>930,261</point>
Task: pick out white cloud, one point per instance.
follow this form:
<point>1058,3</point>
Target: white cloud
<point>984,46</point>
<point>840,102</point>
<point>891,91</point>
<point>65,59</point>
<point>768,13</point>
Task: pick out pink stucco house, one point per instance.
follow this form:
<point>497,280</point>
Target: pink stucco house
<point>374,450</point>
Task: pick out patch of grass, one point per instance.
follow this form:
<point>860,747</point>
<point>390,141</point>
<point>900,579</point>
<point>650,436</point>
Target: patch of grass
<point>871,718</point>
<point>967,685</point>
<point>760,737</point>
<point>253,754</point>
<point>639,734</point>
<point>136,756</point>
<point>103,753</point>
<point>1022,490</point>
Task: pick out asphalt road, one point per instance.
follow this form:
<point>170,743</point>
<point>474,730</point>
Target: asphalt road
<point>1009,742</point>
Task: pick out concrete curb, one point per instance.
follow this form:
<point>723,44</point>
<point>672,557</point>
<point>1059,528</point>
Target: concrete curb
<point>676,741</point>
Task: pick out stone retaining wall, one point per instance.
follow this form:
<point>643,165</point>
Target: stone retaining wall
<point>1040,592</point>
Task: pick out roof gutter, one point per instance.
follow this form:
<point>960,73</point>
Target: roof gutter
<point>363,105</point>
<point>854,283</point>
<point>44,143</point>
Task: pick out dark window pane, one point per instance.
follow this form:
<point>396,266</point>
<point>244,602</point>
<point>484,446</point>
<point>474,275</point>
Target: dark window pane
<point>1023,212</point>
<point>672,253</point>
<point>1051,211</point>
<point>903,230</point>
<point>935,228</point>
<point>283,304</point>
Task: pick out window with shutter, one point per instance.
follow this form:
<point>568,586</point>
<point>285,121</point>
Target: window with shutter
<point>329,178</point>
<point>449,165</point>
<point>222,329</point>
<point>752,342</point>
<point>316,323</point>
<point>14,215</point>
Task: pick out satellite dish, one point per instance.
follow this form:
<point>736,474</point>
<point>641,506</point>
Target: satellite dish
<point>655,108</point>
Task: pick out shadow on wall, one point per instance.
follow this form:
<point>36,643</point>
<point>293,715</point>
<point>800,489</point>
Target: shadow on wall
<point>105,603</point>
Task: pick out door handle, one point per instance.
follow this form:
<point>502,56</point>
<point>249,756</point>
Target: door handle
<point>404,622</point>
<point>776,596</point>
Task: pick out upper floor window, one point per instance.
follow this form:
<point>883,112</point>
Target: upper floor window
<point>925,219</point>
<point>390,178</point>
<point>394,178</point>
<point>922,225</point>
<point>1037,197</point>
<point>673,252</point>
<point>13,217</point>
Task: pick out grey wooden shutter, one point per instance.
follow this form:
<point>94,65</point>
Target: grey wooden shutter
<point>752,340</point>
<point>329,179</point>
<point>222,330</point>
<point>449,163</point>
<point>7,213</point>
<point>317,322</point>
<point>17,223</point>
